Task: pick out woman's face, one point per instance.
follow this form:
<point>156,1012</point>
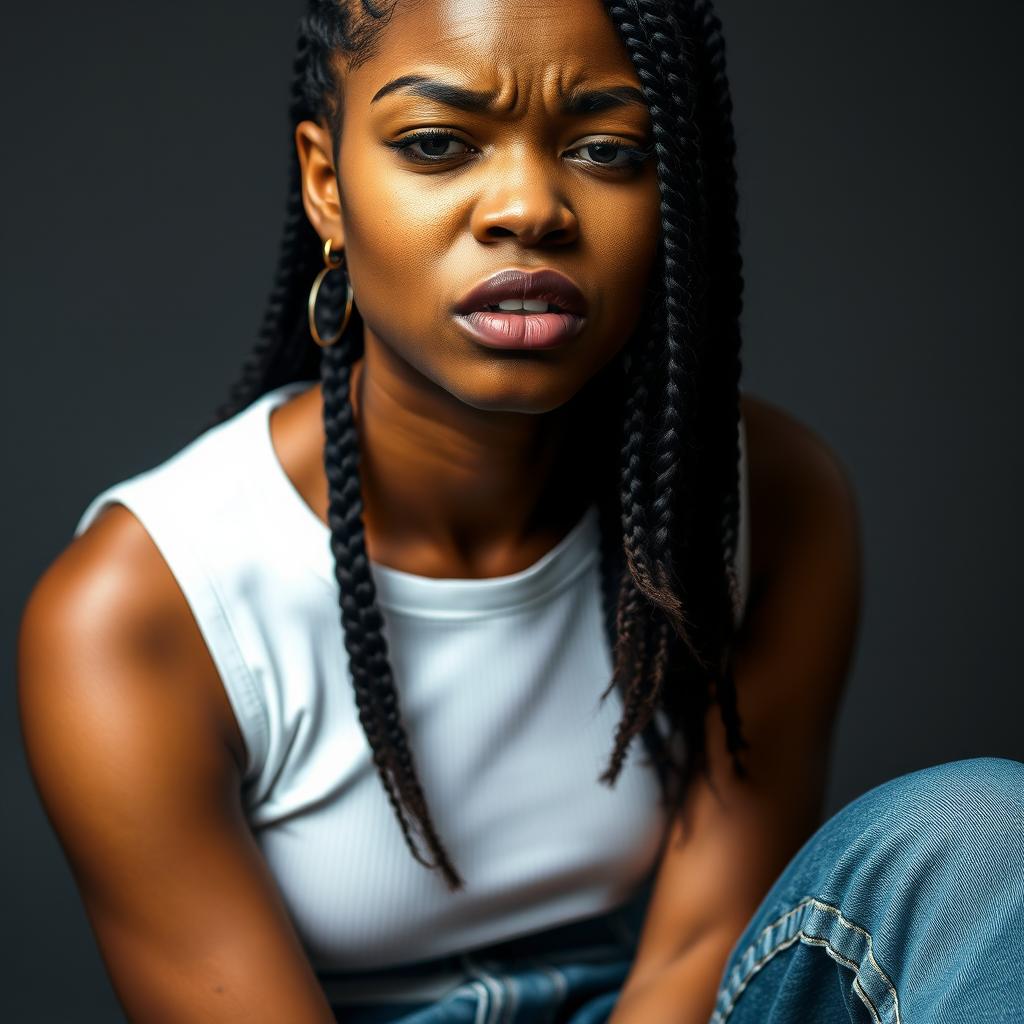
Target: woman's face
<point>516,181</point>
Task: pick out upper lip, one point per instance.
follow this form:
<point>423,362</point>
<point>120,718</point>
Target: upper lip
<point>547,284</point>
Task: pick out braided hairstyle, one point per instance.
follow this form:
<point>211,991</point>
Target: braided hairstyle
<point>668,501</point>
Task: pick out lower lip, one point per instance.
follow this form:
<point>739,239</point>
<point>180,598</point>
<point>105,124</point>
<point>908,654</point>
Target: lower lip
<point>521,330</point>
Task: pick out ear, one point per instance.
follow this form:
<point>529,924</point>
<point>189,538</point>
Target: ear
<point>319,184</point>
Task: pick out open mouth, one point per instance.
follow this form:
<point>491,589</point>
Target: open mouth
<point>534,308</point>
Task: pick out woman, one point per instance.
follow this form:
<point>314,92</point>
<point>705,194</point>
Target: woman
<point>494,425</point>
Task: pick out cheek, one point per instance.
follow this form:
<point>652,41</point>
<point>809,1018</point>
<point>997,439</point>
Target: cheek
<point>624,239</point>
<point>396,232</point>
<point>408,248</point>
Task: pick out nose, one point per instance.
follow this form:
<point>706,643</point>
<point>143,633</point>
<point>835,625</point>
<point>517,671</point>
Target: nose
<point>525,202</point>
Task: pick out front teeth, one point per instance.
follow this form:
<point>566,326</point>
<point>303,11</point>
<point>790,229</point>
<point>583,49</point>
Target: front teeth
<point>527,305</point>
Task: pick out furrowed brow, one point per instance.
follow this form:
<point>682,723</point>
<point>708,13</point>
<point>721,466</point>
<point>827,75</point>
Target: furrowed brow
<point>449,94</point>
<point>593,101</point>
<point>577,103</point>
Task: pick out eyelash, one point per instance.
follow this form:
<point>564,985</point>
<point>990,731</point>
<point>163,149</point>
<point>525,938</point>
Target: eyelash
<point>635,156</point>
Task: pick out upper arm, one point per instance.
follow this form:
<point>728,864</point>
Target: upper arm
<point>735,835</point>
<point>143,791</point>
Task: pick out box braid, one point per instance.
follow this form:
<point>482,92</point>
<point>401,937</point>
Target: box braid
<point>668,505</point>
<point>695,469</point>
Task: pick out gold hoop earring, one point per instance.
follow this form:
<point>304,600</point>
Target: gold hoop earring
<point>329,265</point>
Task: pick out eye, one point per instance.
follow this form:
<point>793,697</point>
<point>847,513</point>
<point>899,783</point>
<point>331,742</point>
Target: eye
<point>615,155</point>
<point>433,146</point>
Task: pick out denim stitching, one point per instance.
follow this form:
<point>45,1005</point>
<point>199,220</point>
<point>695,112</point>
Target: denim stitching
<point>737,982</point>
<point>511,989</point>
<point>499,992</point>
<point>482,1002</point>
<point>560,982</point>
<point>812,940</point>
<point>490,1010</point>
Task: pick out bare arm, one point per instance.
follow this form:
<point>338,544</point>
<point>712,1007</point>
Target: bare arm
<point>793,658</point>
<point>129,753</point>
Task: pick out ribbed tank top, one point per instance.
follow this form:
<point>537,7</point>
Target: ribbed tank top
<point>498,682</point>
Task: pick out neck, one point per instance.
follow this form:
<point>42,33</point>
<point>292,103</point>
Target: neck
<point>449,490</point>
<point>472,491</point>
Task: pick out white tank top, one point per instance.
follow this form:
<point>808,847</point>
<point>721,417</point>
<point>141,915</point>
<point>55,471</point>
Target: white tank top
<point>498,683</point>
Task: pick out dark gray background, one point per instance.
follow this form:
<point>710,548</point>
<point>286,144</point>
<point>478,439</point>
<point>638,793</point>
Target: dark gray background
<point>880,148</point>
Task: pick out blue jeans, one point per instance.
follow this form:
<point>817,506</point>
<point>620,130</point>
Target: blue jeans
<point>906,906</point>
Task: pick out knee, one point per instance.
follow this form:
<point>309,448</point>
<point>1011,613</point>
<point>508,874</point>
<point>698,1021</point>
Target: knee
<point>960,819</point>
<point>994,775</point>
<point>979,798</point>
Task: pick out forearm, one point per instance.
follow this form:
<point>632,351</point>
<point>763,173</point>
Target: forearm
<point>683,990</point>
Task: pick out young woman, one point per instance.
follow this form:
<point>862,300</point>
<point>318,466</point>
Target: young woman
<point>478,662</point>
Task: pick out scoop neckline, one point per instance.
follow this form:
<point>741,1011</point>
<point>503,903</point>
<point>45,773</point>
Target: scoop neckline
<point>405,592</point>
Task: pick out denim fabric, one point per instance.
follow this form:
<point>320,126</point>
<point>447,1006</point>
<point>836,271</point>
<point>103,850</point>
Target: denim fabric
<point>570,973</point>
<point>906,906</point>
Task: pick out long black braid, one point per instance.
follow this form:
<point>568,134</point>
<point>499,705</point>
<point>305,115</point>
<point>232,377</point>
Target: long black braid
<point>669,517</point>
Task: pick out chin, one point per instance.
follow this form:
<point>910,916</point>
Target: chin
<point>511,389</point>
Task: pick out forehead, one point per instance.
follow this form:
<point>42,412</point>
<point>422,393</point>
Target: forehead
<point>510,48</point>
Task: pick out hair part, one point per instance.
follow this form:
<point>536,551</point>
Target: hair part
<point>668,501</point>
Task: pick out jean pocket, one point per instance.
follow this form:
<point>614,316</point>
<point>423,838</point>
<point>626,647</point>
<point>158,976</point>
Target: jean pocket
<point>814,924</point>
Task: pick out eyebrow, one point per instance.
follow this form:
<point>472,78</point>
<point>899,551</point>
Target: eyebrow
<point>576,103</point>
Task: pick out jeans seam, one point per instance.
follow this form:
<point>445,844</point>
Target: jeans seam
<point>489,1010</point>
<point>482,1001</point>
<point>559,980</point>
<point>868,974</point>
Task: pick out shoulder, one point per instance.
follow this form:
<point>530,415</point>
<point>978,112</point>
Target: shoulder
<point>801,494</point>
<point>107,622</point>
<point>110,586</point>
<point>799,634</point>
<point>144,795</point>
<point>798,637</point>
